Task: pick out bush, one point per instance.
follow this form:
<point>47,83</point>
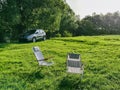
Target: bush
<point>58,35</point>
<point>67,34</point>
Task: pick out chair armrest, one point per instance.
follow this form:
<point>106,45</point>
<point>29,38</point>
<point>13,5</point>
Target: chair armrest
<point>46,58</point>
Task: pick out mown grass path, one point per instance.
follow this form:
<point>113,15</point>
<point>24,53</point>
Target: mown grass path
<point>100,55</point>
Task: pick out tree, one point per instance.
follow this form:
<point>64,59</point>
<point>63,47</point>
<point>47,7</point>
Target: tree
<point>17,16</point>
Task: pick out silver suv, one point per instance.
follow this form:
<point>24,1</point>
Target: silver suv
<point>33,35</point>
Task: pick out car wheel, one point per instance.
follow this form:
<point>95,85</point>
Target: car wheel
<point>34,39</point>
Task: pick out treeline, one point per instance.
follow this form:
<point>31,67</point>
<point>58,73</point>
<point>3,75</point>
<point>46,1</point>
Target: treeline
<point>100,24</point>
<point>54,16</point>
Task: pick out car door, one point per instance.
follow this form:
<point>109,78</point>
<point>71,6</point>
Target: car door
<point>39,34</point>
<point>36,34</point>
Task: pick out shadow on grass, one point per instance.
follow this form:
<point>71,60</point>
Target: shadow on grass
<point>70,83</point>
<point>3,45</point>
<point>31,77</point>
<point>72,40</point>
<point>25,42</point>
<point>81,41</point>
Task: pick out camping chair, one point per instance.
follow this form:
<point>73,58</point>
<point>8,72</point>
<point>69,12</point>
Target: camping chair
<point>74,65</point>
<point>40,58</point>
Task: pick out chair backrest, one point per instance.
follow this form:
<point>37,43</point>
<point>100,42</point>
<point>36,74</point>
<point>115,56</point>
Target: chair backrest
<point>40,58</point>
<point>74,64</point>
<point>38,53</point>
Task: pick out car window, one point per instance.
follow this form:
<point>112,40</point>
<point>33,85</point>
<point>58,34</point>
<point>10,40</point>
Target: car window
<point>41,32</point>
<point>30,32</point>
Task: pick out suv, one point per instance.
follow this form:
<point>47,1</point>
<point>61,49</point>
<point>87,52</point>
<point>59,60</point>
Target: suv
<point>33,35</point>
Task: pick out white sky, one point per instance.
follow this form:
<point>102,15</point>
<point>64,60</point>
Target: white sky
<point>87,7</point>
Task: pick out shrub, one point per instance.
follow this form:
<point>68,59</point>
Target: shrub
<point>67,34</point>
<point>58,35</point>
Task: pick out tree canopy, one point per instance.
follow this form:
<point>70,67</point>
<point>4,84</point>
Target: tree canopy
<point>17,16</point>
<point>55,17</point>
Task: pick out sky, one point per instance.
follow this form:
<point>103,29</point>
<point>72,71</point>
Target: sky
<point>87,7</point>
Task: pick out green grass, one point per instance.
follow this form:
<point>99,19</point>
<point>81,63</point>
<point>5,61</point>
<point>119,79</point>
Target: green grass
<point>100,55</point>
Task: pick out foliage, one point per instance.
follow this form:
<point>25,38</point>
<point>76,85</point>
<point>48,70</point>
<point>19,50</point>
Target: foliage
<point>55,17</point>
<point>86,27</point>
<point>17,16</point>
<point>68,22</point>
<point>100,24</point>
<point>67,34</point>
<point>100,55</point>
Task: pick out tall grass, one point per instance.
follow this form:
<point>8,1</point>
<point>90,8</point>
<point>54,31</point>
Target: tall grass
<point>100,55</point>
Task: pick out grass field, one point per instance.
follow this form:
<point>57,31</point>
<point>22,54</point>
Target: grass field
<point>100,55</point>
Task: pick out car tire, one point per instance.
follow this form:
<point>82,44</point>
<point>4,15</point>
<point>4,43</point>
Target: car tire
<point>34,39</point>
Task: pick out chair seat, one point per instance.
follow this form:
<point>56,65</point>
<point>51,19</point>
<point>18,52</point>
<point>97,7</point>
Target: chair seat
<point>75,70</point>
<point>74,65</point>
<point>45,63</point>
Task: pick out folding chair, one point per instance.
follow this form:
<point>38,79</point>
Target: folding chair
<point>40,58</point>
<point>74,64</point>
